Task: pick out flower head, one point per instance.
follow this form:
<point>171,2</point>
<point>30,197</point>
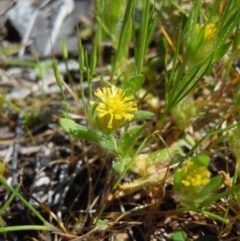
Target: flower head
<point>203,45</point>
<point>194,176</point>
<point>114,107</point>
<point>210,31</point>
<point>193,183</point>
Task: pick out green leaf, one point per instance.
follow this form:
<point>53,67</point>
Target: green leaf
<point>80,131</point>
<point>215,182</point>
<point>91,113</point>
<point>126,36</point>
<point>201,160</point>
<point>215,197</point>
<point>119,164</point>
<point>132,85</point>
<point>160,156</point>
<point>198,39</point>
<point>112,14</point>
<point>179,175</point>
<point>102,224</point>
<point>107,142</point>
<point>179,235</point>
<point>221,51</point>
<point>57,74</point>
<point>64,49</point>
<point>238,99</point>
<point>175,151</point>
<point>128,139</point>
<point>142,115</point>
<point>228,28</point>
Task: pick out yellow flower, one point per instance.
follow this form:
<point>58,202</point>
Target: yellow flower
<point>195,176</point>
<point>210,31</point>
<point>114,107</point>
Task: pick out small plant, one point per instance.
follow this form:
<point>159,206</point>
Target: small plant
<point>188,79</point>
<point>112,110</point>
<point>192,182</point>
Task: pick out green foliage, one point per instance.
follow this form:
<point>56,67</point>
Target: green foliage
<point>193,183</point>
<point>82,132</point>
<point>214,184</point>
<point>102,224</point>
<point>120,164</point>
<point>221,51</point>
<point>112,15</point>
<point>79,131</point>
<point>201,50</point>
<point>142,115</point>
<point>182,113</point>
<point>132,85</point>
<point>179,235</point>
<point>203,41</point>
<point>15,193</point>
<point>58,78</point>
<point>201,160</point>
<point>128,139</point>
<point>197,59</point>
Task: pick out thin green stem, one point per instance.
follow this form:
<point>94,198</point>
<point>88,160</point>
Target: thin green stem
<point>24,227</point>
<point>144,32</point>
<point>65,59</point>
<point>23,200</point>
<point>127,18</point>
<point>89,80</point>
<point>40,74</point>
<point>129,164</point>
<point>81,63</point>
<point>213,216</point>
<point>8,202</point>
